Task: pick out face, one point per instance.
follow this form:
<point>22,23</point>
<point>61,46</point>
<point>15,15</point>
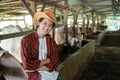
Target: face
<point>44,27</point>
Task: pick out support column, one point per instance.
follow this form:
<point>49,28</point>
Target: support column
<point>97,19</point>
<point>74,24</point>
<point>93,19</point>
<point>83,22</point>
<point>43,7</point>
<point>33,6</point>
<point>66,27</point>
<point>65,17</point>
<point>53,32</point>
<point>28,8</point>
<point>34,10</point>
<point>87,26</point>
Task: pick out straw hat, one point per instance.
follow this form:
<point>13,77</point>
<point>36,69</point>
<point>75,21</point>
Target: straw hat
<point>48,14</point>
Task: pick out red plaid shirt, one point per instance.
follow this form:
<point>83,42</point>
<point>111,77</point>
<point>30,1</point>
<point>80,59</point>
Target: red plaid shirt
<point>30,51</point>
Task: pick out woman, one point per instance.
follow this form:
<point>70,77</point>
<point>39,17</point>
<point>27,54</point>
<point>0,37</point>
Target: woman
<point>39,51</point>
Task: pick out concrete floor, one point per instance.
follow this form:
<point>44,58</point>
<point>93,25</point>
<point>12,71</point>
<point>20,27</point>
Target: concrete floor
<point>105,65</point>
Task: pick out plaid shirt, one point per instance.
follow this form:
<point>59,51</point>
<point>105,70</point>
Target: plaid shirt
<point>30,51</point>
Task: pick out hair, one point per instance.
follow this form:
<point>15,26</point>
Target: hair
<point>41,19</point>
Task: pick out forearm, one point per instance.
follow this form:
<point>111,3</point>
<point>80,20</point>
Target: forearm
<point>44,62</point>
<point>43,68</point>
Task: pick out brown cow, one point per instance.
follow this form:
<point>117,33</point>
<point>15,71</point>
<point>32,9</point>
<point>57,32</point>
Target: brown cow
<point>10,67</point>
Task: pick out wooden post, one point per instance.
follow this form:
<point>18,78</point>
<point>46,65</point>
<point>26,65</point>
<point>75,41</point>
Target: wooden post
<point>43,7</point>
<point>93,19</point>
<point>34,10</point>
<point>24,20</point>
<point>97,19</point>
<point>65,19</point>
<point>28,8</point>
<point>31,10</point>
<point>53,34</point>
<point>83,26</point>
<point>66,27</point>
<point>33,6</point>
<point>74,24</point>
<point>83,23</point>
<point>87,26</point>
<point>102,19</point>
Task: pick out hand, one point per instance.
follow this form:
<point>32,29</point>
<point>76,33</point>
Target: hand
<point>45,61</point>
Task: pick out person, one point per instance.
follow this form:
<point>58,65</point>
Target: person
<point>39,52</point>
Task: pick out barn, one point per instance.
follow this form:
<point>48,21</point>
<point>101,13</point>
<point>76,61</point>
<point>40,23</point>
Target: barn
<point>87,36</point>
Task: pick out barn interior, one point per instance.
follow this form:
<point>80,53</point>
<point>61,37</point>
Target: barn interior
<point>87,35</point>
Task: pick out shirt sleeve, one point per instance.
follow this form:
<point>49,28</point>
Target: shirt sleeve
<point>54,57</point>
<point>29,59</point>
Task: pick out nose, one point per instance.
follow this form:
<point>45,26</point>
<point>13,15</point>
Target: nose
<point>47,27</point>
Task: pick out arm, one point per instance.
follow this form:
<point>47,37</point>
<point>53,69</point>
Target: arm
<point>54,57</point>
<point>42,66</point>
<point>29,60</point>
<point>44,62</point>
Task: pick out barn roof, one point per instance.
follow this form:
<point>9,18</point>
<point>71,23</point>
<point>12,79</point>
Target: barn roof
<point>18,7</point>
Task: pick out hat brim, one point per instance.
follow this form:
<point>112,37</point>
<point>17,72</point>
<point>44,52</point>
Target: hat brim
<point>39,15</point>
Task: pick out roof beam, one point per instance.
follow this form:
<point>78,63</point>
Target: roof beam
<point>51,3</point>
<point>27,7</point>
<point>10,3</point>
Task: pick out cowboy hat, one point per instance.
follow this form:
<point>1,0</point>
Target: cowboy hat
<point>48,14</point>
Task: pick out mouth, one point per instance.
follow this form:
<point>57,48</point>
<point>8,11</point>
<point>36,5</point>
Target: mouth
<point>45,31</point>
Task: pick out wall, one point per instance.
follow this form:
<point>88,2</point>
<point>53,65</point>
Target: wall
<point>72,68</point>
<point>12,45</point>
<point>99,38</point>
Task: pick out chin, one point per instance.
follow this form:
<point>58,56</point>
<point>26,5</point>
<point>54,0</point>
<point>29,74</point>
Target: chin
<point>44,34</point>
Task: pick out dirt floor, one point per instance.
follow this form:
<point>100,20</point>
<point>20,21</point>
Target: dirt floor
<point>112,39</point>
<point>105,64</point>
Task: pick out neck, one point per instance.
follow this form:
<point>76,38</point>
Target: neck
<point>40,34</point>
